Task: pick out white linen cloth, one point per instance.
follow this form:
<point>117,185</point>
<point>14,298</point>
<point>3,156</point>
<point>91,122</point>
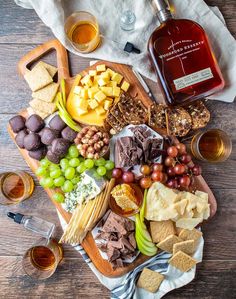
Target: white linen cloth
<point>54,13</point>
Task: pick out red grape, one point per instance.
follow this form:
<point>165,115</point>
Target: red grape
<point>179,168</point>
<point>165,178</point>
<point>184,181</point>
<point>197,170</point>
<point>157,176</point>
<point>145,183</point>
<point>172,183</point>
<point>169,161</point>
<point>157,166</point>
<point>128,177</point>
<point>181,148</point>
<point>145,169</point>
<point>170,171</point>
<point>172,151</point>
<point>185,158</point>
<point>117,173</point>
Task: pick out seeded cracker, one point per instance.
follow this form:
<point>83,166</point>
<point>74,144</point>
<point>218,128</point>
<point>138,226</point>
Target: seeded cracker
<point>193,234</point>
<point>157,116</point>
<point>150,280</point>
<point>52,70</point>
<point>160,230</point>
<point>114,123</point>
<point>200,115</point>
<point>185,246</point>
<point>38,78</point>
<point>178,121</point>
<point>182,261</point>
<point>115,111</point>
<point>46,94</point>
<point>167,243</point>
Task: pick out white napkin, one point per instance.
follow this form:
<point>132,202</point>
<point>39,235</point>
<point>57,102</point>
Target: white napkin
<point>54,12</point>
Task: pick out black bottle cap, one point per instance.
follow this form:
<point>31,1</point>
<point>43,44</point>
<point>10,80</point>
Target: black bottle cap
<point>16,217</point>
<point>129,47</point>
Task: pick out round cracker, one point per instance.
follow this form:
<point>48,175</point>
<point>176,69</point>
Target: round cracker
<point>179,121</point>
<point>200,115</point>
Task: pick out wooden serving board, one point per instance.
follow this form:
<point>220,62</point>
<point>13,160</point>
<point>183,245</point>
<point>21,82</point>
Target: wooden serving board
<point>136,90</point>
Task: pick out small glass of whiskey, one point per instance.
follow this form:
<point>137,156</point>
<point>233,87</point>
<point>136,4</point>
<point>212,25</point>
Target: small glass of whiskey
<point>212,146</point>
<point>82,30</point>
<point>41,260</point>
<point>15,187</point>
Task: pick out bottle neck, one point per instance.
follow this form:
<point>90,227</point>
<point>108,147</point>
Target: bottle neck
<point>162,10</point>
<point>164,15</point>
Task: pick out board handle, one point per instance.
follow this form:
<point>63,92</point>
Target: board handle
<point>38,52</point>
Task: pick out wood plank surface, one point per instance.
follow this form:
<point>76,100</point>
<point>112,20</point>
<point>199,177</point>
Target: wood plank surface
<point>20,31</point>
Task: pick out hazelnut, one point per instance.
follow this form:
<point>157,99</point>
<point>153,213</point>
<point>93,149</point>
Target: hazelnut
<point>96,156</point>
<point>83,152</point>
<point>96,137</point>
<point>99,134</point>
<point>91,149</point>
<point>105,135</point>
<point>106,140</point>
<point>85,146</point>
<point>85,130</point>
<point>79,146</point>
<point>97,146</point>
<point>101,143</point>
<point>90,156</point>
<point>84,140</point>
<point>91,141</point>
<point>104,149</point>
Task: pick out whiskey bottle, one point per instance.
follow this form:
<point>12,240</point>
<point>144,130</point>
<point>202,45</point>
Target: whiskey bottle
<point>183,59</point>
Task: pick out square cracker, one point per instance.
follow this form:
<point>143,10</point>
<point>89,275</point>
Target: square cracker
<point>38,78</point>
<point>193,234</point>
<point>42,114</point>
<point>46,94</point>
<point>52,70</point>
<point>182,261</point>
<point>150,280</point>
<point>185,246</point>
<point>38,105</point>
<point>167,244</point>
<point>161,230</point>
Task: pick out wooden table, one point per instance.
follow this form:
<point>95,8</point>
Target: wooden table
<point>20,31</point>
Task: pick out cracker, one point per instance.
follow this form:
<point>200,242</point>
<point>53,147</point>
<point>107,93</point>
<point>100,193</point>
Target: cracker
<point>185,246</point>
<point>114,123</point>
<point>42,106</point>
<point>193,234</point>
<point>178,230</point>
<point>156,116</point>
<point>182,261</point>
<point>115,111</point>
<point>38,78</point>
<point>178,121</point>
<point>200,115</point>
<point>52,70</point>
<point>160,230</point>
<point>167,243</point>
<point>150,280</point>
<point>46,94</point>
<point>42,114</point>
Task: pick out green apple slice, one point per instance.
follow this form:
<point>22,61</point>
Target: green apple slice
<point>145,250</point>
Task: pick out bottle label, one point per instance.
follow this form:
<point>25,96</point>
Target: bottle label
<point>193,78</point>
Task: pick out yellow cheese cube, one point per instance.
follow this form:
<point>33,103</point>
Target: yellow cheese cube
<point>116,100</point>
<point>93,104</point>
<point>112,84</point>
<point>84,93</point>
<point>87,80</point>
<point>82,103</point>
<point>101,68</point>
<point>100,96</point>
<point>117,77</point>
<point>81,111</point>
<point>110,71</point>
<point>125,86</point>
<point>77,89</point>
<point>103,81</point>
<point>92,73</point>
<point>105,75</point>
<point>92,91</point>
<point>99,110</point>
<point>107,91</point>
<point>107,105</point>
<point>116,91</point>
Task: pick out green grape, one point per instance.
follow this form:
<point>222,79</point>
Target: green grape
<point>101,170</point>
<point>55,173</point>
<point>53,166</point>
<point>74,162</point>
<point>58,197</point>
<point>62,189</point>
<point>81,168</point>
<point>100,162</point>
<point>68,157</point>
<point>68,186</point>
<point>89,163</point>
<point>41,171</point>
<point>109,165</point>
<point>64,163</point>
<point>44,162</point>
<point>73,151</point>
<point>70,173</point>
<point>49,183</point>
<point>75,180</point>
<point>42,182</point>
<point>58,182</point>
<point>81,159</point>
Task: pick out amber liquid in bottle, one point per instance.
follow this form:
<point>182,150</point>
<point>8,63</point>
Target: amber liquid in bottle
<point>183,60</point>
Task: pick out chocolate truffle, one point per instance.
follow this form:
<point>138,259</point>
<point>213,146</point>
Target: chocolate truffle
<point>20,138</point>
<point>34,123</point>
<point>56,123</point>
<point>60,146</point>
<point>32,142</point>
<point>17,123</point>
<point>54,158</point>
<point>39,153</point>
<point>48,135</point>
<point>68,134</point>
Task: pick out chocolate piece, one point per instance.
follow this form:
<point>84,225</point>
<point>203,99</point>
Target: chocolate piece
<point>48,135</point>
<point>68,134</point>
<point>20,138</point>
<point>39,153</point>
<point>34,123</point>
<point>17,123</point>
<point>54,158</point>
<point>32,141</point>
<point>60,146</point>
<point>56,123</point>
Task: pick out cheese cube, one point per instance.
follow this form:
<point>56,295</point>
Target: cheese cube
<point>81,111</point>
<point>103,81</point>
<point>101,68</point>
<point>92,73</point>
<point>116,100</point>
<point>105,75</point>
<point>100,96</point>
<point>107,91</point>
<point>110,71</point>
<point>84,93</point>
<point>99,110</point>
<point>93,104</point>
<point>107,105</point>
<point>92,91</point>
<point>87,80</point>
<point>125,86</point>
<point>77,89</point>
<point>82,103</point>
<point>116,91</point>
<point>112,84</point>
<point>117,77</point>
